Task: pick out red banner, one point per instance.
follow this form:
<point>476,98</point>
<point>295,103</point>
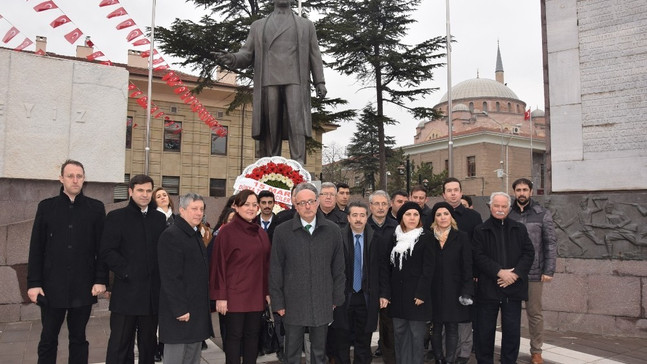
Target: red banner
<point>134,34</point>
<point>63,19</point>
<point>25,43</point>
<point>141,42</point>
<point>74,35</point>
<point>95,55</point>
<point>45,5</point>
<point>10,34</point>
<point>119,12</point>
<point>108,2</point>
<point>125,24</point>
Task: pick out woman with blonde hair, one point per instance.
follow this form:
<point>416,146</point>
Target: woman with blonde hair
<point>452,288</point>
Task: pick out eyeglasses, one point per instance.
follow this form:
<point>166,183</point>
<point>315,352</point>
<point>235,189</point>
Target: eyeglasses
<point>380,203</point>
<point>306,203</point>
<point>327,194</point>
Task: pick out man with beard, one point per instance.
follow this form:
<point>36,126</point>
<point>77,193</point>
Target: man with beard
<point>503,255</point>
<point>541,230</point>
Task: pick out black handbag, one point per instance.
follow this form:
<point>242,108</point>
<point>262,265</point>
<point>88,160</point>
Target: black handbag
<point>268,342</point>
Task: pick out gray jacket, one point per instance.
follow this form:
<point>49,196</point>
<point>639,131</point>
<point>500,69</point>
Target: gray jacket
<point>541,229</point>
<point>307,271</point>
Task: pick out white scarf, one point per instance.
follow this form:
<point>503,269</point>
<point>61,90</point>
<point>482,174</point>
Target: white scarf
<point>404,244</point>
<point>167,213</point>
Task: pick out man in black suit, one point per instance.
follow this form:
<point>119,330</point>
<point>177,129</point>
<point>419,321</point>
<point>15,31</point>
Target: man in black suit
<point>64,274</point>
<point>129,248</point>
<point>328,204</point>
<point>355,320</point>
<point>266,218</point>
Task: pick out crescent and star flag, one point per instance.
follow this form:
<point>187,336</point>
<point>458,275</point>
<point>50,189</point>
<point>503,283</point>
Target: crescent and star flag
<point>134,34</point>
<point>119,12</point>
<point>45,5</point>
<point>125,24</point>
<point>25,43</point>
<point>63,19</point>
<point>526,115</point>
<point>141,42</point>
<point>108,2</point>
<point>95,55</point>
<point>74,35</point>
<point>10,34</point>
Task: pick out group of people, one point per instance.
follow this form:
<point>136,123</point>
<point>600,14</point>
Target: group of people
<point>329,268</point>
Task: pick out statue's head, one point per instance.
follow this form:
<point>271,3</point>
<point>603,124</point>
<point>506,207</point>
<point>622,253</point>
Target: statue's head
<point>284,3</point>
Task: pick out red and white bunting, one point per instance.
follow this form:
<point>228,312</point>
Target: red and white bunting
<point>45,5</point>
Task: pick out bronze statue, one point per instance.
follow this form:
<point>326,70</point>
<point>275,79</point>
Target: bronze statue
<point>283,50</point>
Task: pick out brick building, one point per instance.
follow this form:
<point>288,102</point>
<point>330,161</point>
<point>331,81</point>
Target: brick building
<point>492,135</point>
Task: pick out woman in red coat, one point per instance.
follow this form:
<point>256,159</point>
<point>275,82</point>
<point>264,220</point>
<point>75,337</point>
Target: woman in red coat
<point>239,276</point>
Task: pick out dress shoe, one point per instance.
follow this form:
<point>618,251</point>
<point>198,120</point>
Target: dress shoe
<point>536,359</point>
<point>460,360</point>
<point>429,355</point>
<point>204,345</point>
<point>377,353</point>
<point>157,357</point>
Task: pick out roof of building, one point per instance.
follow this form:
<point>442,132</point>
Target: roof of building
<point>460,107</point>
<point>480,88</point>
<point>537,113</point>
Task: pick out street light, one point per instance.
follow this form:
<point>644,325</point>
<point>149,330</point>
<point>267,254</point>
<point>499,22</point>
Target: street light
<point>402,170</point>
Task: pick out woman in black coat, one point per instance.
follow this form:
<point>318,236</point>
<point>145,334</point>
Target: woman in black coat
<point>410,272</point>
<point>452,287</point>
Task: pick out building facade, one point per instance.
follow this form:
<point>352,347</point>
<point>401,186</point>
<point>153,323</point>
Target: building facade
<point>495,140</point>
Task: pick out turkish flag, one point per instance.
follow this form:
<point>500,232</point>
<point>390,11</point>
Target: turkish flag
<point>10,34</point>
<point>134,34</point>
<point>95,55</point>
<point>63,19</point>
<point>158,61</point>
<point>74,35</point>
<point>162,67</point>
<point>107,63</point>
<point>108,2</point>
<point>125,24</point>
<point>141,42</point>
<point>119,12</point>
<point>145,54</point>
<point>45,5</point>
<point>526,115</point>
<point>40,52</point>
<point>25,43</point>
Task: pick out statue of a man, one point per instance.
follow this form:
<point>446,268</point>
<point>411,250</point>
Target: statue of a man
<point>284,52</point>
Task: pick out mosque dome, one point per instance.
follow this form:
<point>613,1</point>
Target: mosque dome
<point>478,88</point>
<point>460,107</point>
<point>537,113</point>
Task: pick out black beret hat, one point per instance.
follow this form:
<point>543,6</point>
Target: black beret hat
<point>442,205</point>
<point>409,205</point>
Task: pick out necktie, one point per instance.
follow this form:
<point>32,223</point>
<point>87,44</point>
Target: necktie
<point>265,223</point>
<point>357,271</point>
<point>307,227</point>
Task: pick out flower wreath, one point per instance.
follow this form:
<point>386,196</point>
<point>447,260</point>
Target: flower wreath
<point>275,174</point>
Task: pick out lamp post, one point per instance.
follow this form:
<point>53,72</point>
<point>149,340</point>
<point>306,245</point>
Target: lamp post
<point>405,170</point>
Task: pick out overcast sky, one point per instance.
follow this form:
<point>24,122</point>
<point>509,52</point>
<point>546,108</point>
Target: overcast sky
<point>476,25</point>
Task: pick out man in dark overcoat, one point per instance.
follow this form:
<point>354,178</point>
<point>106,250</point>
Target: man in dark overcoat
<point>356,319</point>
<point>184,316</point>
<point>503,255</point>
<point>284,51</point>
<point>64,273</point>
<point>307,276</point>
<point>129,248</point>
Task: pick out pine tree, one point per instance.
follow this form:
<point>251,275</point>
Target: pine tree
<point>363,150</point>
<point>364,39</point>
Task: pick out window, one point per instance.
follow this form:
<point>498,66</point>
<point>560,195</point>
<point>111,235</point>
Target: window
<point>129,132</point>
<point>484,106</point>
<point>498,107</point>
<point>217,187</point>
<point>218,143</point>
<point>517,108</point>
<point>172,136</point>
<point>471,166</point>
<point>121,190</point>
<point>447,164</point>
<point>171,184</point>
<point>509,107</point>
<point>471,107</point>
<point>542,175</point>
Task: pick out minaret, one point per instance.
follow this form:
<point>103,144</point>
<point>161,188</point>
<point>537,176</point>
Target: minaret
<point>499,65</point>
